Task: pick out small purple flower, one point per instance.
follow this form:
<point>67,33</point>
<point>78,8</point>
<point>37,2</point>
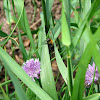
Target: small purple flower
<point>32,68</point>
<point>90,74</point>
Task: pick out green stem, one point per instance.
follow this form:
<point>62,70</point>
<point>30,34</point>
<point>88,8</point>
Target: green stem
<point>5,96</point>
<point>57,77</point>
<point>70,72</point>
<point>60,55</point>
<point>13,28</point>
<point>35,7</point>
<point>7,91</point>
<point>4,83</point>
<point>45,16</point>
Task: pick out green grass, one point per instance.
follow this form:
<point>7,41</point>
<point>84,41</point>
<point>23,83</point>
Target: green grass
<point>75,39</point>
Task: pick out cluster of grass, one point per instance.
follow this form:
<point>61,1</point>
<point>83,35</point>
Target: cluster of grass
<point>78,45</point>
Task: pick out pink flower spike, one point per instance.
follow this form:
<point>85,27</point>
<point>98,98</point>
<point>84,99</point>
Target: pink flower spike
<point>32,68</point>
<point>90,74</point>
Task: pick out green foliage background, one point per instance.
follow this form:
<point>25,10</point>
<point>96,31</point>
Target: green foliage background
<point>80,39</point>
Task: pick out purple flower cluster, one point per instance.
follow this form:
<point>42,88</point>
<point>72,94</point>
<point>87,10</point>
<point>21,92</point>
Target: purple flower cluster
<point>32,68</point>
<point>90,74</point>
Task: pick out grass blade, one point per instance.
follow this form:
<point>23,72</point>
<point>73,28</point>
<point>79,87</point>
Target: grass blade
<point>66,8</point>
<point>22,48</point>
<point>80,75</point>
<point>62,68</point>
<point>95,96</point>
<point>66,40</point>
<point>87,18</point>
<point>20,73</point>
<point>86,7</point>
<point>57,30</point>
<point>96,55</point>
<point>47,79</point>
<point>40,41</point>
<point>5,96</point>
<point>19,90</point>
<point>7,10</point>
<point>24,23</point>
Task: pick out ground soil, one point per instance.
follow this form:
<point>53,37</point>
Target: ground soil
<point>56,11</point>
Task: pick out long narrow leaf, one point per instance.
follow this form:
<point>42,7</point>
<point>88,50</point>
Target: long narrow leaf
<point>57,29</point>
<point>24,22</point>
<point>88,17</point>
<point>22,48</point>
<point>66,40</point>
<point>19,90</point>
<point>40,41</point>
<point>96,55</point>
<point>80,75</point>
<point>47,79</point>
<point>93,97</point>
<point>5,95</point>
<point>62,68</point>
<point>20,73</point>
<point>87,6</point>
<point>7,10</point>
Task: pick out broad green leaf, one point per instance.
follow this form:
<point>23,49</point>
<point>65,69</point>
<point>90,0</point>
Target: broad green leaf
<point>92,39</point>
<point>49,4</point>
<point>91,50</point>
<point>97,35</point>
<point>57,29</point>
<point>95,96</point>
<point>62,68</point>
<point>65,72</point>
<point>85,39</point>
<point>66,39</point>
<point>18,88</point>
<point>66,6</point>
<point>20,73</point>
<point>86,7</point>
<point>7,9</point>
<point>47,79</point>
<point>80,75</point>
